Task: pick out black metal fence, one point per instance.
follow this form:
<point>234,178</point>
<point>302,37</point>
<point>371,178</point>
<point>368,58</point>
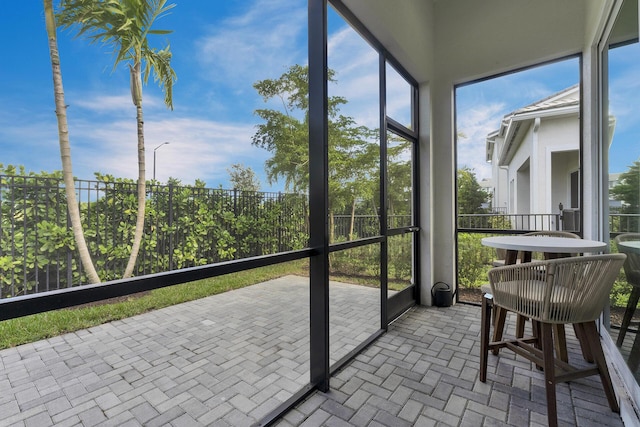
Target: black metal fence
<point>623,223</point>
<point>347,227</point>
<point>185,226</point>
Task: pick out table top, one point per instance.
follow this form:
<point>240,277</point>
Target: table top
<point>631,245</point>
<point>544,244</point>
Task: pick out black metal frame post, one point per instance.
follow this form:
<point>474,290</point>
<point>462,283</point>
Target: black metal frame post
<point>415,122</point>
<point>393,306</point>
<point>318,195</point>
<point>384,200</point>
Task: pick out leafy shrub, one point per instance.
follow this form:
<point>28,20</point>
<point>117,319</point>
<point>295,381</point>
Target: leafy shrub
<point>185,226</point>
<point>474,260</point>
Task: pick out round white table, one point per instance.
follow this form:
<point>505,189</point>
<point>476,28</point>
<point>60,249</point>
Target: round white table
<point>631,245</point>
<point>551,246</point>
<point>545,244</point>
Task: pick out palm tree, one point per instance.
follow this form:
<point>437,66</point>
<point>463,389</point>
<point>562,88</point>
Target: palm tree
<point>65,147</point>
<point>125,26</point>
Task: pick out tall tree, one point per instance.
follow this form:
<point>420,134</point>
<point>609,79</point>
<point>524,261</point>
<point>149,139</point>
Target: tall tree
<point>470,195</point>
<point>243,178</point>
<point>627,189</point>
<point>353,150</point>
<point>125,26</point>
<point>65,146</point>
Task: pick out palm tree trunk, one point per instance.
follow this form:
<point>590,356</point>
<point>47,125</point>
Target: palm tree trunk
<point>65,147</point>
<point>136,93</point>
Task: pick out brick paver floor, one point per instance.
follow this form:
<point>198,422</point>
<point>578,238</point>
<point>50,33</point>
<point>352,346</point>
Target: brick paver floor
<point>229,359</point>
<point>424,372</point>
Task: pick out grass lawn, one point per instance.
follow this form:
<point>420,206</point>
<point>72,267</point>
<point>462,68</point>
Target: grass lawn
<point>27,329</point>
<point>49,324</point>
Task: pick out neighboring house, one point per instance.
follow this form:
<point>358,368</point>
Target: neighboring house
<point>487,186</point>
<point>614,205</point>
<point>535,157</point>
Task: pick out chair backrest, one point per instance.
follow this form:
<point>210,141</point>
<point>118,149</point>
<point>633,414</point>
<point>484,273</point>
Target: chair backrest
<point>566,290</point>
<point>632,264</point>
<point>553,233</point>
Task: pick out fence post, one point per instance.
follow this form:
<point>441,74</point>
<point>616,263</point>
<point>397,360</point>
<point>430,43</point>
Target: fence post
<point>235,202</point>
<point>170,226</point>
<point>70,259</point>
<point>280,221</point>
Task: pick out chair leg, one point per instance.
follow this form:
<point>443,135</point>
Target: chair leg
<point>549,373</point>
<point>593,339</point>
<point>537,334</point>
<point>520,322</point>
<point>485,321</point>
<point>500,316</point>
<point>628,314</point>
<point>582,339</point>
<point>560,342</point>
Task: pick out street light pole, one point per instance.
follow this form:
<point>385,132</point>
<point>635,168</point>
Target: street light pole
<point>154,158</point>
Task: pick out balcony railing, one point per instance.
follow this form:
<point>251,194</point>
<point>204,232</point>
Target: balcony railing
<point>493,222</point>
<point>567,220</point>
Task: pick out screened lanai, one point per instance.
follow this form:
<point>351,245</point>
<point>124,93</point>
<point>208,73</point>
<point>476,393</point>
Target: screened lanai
<point>447,44</point>
<point>422,50</point>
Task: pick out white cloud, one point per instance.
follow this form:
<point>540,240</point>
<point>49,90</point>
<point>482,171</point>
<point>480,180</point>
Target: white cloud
<point>101,103</point>
<point>111,103</point>
<point>259,44</point>
<point>622,103</point>
<point>475,124</point>
<point>198,149</point>
<point>356,67</point>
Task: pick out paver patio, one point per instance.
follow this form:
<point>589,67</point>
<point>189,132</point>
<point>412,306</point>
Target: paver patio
<point>229,359</point>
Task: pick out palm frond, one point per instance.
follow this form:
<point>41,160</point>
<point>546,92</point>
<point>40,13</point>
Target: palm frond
<point>124,25</point>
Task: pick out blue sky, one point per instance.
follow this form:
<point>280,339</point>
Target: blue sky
<point>481,106</point>
<point>624,105</point>
<point>220,48</point>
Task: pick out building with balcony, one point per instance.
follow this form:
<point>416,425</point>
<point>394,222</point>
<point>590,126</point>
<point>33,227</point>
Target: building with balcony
<point>535,156</point>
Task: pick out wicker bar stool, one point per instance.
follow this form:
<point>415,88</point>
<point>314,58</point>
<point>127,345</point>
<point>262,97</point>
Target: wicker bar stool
<point>500,313</point>
<point>554,292</point>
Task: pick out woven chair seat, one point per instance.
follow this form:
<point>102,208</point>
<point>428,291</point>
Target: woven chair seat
<point>554,291</point>
<point>529,300</point>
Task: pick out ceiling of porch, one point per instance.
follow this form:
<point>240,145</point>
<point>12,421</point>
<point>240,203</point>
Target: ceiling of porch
<point>463,40</point>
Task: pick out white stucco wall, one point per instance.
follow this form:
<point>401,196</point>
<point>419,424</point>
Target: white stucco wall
<point>468,48</point>
<point>444,43</point>
<point>556,135</point>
